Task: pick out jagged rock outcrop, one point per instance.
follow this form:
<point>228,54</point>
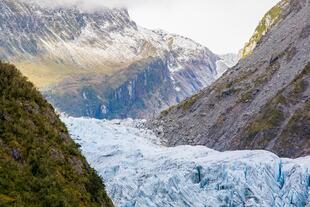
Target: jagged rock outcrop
<point>66,51</point>
<point>262,103</point>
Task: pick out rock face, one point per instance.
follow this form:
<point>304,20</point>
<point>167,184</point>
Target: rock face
<point>186,176</point>
<point>86,62</point>
<point>40,165</point>
<point>262,103</point>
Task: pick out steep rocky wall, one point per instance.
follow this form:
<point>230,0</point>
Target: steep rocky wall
<point>147,93</point>
<point>143,92</point>
<point>86,61</point>
<point>250,107</point>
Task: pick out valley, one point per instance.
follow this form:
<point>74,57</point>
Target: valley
<point>70,54</point>
<point>138,171</point>
<point>161,119</point>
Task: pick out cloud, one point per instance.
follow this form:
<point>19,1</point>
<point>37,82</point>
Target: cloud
<point>222,25</point>
<point>97,4</point>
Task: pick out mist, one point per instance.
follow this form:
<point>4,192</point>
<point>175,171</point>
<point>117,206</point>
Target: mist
<point>222,25</point>
<point>89,5</point>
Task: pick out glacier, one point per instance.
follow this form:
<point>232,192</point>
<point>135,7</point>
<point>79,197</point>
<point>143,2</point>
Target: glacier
<point>139,172</point>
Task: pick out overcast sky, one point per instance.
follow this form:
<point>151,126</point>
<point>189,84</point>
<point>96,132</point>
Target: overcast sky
<point>221,25</point>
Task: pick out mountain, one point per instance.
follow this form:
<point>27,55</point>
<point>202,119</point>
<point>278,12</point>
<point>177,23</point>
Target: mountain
<point>186,176</point>
<point>272,17</point>
<point>40,165</point>
<point>101,64</point>
<point>261,103</point>
<point>227,61</point>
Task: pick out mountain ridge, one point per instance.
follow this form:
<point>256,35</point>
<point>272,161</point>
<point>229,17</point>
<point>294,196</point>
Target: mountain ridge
<point>40,165</point>
<point>65,50</point>
<point>271,18</point>
<point>229,114</point>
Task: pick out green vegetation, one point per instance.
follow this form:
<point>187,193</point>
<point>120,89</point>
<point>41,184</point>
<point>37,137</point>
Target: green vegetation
<point>299,85</point>
<point>39,163</point>
<point>280,99</point>
<point>277,119</point>
<point>189,102</point>
<point>269,20</point>
<point>271,118</point>
<point>290,53</point>
<point>300,116</point>
<point>246,97</point>
<point>306,71</point>
<point>249,94</point>
<point>264,127</point>
<point>167,111</point>
<point>221,87</point>
<point>296,134</point>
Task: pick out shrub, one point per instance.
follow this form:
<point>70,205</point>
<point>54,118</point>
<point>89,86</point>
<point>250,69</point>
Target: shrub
<point>29,129</point>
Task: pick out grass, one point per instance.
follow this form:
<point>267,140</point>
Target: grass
<point>275,16</point>
<point>246,97</point>
<point>306,71</point>
<point>189,102</point>
<point>280,99</point>
<point>295,136</point>
<point>268,124</point>
<point>299,87</point>
<point>271,118</point>
<point>6,200</point>
<point>167,111</point>
<point>47,72</point>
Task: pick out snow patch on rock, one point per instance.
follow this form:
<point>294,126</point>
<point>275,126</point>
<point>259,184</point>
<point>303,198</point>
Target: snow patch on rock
<point>226,61</point>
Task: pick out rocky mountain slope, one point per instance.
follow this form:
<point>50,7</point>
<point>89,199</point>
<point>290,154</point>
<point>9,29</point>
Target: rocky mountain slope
<point>269,20</point>
<point>101,64</point>
<point>186,176</point>
<point>262,103</point>
<point>40,165</point>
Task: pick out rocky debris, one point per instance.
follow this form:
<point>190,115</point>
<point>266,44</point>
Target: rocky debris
<point>77,165</point>
<point>255,104</point>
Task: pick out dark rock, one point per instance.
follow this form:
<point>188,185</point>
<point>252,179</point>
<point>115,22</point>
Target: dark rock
<point>77,165</point>
<point>16,154</point>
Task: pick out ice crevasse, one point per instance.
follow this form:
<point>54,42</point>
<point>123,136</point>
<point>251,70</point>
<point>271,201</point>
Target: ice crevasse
<point>139,172</point>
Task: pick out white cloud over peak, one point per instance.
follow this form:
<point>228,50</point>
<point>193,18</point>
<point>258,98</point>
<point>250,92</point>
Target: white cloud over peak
<point>98,4</point>
<point>222,25</point>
